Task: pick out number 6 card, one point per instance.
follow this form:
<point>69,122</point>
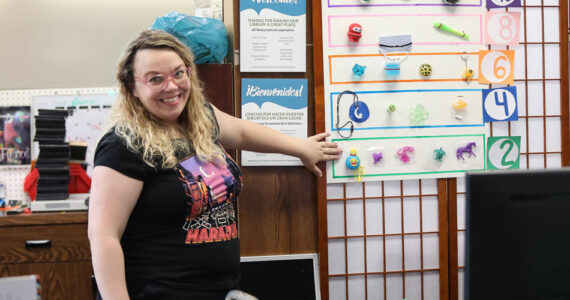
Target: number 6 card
<point>497,66</point>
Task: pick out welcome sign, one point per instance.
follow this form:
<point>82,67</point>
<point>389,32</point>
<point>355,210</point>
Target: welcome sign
<point>280,104</point>
<point>272,35</point>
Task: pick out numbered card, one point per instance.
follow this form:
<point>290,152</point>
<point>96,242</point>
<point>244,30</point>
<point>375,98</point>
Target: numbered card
<point>500,104</point>
<point>503,152</point>
<point>502,28</point>
<point>497,66</point>
<point>503,3</point>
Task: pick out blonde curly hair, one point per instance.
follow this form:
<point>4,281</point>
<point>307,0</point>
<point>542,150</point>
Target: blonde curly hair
<point>163,145</point>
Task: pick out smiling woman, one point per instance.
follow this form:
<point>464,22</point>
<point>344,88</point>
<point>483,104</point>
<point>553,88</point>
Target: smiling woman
<point>165,150</point>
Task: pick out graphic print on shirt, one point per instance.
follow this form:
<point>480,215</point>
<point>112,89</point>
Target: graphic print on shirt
<point>211,192</point>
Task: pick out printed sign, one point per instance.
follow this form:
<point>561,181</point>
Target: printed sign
<point>500,104</point>
<point>280,104</point>
<point>272,36</point>
<point>503,152</point>
<point>502,28</point>
<point>497,66</point>
<point>503,3</point>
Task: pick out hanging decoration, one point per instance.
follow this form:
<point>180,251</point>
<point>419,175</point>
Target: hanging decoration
<point>396,43</point>
<point>358,112</point>
<point>467,72</point>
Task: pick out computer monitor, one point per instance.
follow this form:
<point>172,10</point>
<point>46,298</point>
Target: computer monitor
<point>281,277</point>
<point>518,235</point>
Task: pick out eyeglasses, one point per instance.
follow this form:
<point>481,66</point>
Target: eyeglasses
<point>158,82</point>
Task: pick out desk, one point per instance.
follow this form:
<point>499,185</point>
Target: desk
<point>64,266</point>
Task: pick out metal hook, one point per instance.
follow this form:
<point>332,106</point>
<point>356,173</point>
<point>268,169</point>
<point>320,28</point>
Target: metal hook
<point>464,57</point>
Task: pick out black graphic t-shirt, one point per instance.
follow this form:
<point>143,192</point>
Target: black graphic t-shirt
<point>182,232</point>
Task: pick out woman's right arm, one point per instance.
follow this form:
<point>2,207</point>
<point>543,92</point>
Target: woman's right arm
<point>112,199</point>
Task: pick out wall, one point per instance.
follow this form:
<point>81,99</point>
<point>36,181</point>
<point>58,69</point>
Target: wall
<point>278,205</point>
<point>65,44</point>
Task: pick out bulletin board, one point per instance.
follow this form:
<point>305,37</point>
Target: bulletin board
<point>86,121</point>
<point>400,232</point>
<point>421,118</point>
<point>90,106</point>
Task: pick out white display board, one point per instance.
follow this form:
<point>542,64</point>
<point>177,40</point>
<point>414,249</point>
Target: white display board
<point>13,176</point>
<point>86,121</point>
<point>420,124</point>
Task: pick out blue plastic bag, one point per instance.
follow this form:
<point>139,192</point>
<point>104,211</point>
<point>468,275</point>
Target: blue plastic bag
<point>206,37</point>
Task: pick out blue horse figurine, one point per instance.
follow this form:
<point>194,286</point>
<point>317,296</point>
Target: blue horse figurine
<point>466,149</point>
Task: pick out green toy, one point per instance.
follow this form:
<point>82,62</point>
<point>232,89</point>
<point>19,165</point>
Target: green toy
<point>439,153</point>
<point>443,27</point>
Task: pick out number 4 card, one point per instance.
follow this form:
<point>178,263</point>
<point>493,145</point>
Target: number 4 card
<point>502,28</point>
<point>503,3</point>
<point>500,104</point>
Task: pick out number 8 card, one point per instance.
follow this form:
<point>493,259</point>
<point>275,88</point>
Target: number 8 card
<point>502,28</point>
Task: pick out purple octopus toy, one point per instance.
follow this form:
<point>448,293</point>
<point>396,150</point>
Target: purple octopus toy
<point>466,149</point>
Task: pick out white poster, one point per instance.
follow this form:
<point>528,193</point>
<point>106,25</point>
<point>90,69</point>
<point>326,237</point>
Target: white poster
<point>273,36</point>
<point>402,88</point>
<point>280,104</point>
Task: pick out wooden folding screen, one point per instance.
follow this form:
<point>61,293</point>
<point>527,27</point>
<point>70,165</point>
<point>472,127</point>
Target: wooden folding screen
<point>410,207</point>
<point>543,118</point>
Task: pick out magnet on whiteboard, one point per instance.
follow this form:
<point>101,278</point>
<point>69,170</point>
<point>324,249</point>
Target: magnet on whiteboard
<point>354,32</point>
<point>352,160</point>
<point>439,153</point>
<point>392,68</point>
<point>358,70</point>
<point>425,70</point>
<point>359,112</point>
<point>460,107</point>
<point>404,154</point>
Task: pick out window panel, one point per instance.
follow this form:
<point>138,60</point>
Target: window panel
<point>335,218</point>
<point>354,217</point>
<point>355,255</point>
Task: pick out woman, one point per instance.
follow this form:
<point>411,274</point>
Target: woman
<point>162,215</point>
